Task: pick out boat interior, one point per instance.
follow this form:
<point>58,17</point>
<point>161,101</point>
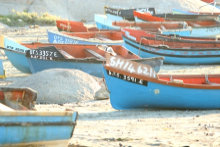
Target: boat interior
<point>17,99</point>
<point>192,79</point>
<point>152,25</point>
<point>103,35</point>
<point>71,51</point>
<point>196,21</point>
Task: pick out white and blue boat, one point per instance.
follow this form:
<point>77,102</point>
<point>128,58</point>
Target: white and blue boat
<point>92,38</point>
<point>15,53</point>
<point>142,88</point>
<point>87,58</point>
<point>20,125</point>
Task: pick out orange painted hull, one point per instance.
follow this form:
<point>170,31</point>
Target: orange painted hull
<point>74,26</point>
<point>193,23</point>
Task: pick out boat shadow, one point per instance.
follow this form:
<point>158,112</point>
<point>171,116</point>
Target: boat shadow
<point>145,114</point>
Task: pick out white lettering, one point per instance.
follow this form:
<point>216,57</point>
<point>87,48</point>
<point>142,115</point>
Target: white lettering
<point>112,63</point>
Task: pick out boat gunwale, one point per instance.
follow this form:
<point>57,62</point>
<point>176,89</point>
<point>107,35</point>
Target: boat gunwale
<point>177,49</point>
<point>167,83</point>
<point>83,39</point>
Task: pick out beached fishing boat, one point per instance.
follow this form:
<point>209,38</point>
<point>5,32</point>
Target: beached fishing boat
<point>202,25</point>
<point>118,13</point>
<point>74,26</point>
<point>73,57</point>
<point>176,50</point>
<point>167,28</point>
<point>21,126</point>
<point>139,87</point>
<point>102,38</point>
<point>88,58</point>
<point>178,28</point>
<point>15,53</point>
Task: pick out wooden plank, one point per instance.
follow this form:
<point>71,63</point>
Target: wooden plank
<point>94,54</point>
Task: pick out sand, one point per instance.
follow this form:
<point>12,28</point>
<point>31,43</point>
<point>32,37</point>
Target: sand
<point>100,125</point>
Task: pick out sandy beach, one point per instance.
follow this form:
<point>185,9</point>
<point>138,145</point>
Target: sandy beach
<point>100,125</point>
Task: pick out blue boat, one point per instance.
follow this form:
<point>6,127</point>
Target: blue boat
<point>102,22</point>
<point>92,38</point>
<point>175,50</point>
<point>15,53</point>
<point>142,88</point>
<point>87,58</point>
<point>21,126</point>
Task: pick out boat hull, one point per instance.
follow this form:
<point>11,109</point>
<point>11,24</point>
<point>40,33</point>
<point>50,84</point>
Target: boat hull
<point>35,128</point>
<point>54,143</point>
<point>18,60</point>
<point>178,56</point>
<point>91,67</point>
<point>103,23</point>
<point>15,53</point>
<point>65,39</point>
<point>128,95</point>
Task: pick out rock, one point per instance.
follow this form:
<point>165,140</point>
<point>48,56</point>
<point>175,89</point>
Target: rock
<point>102,94</point>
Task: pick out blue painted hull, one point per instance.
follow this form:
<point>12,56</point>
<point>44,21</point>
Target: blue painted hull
<point>56,37</point>
<point>114,18</point>
<point>103,23</point>
<point>37,65</point>
<point>18,60</point>
<point>33,127</point>
<point>92,68</point>
<point>178,56</point>
<point>15,53</point>
<point>127,95</point>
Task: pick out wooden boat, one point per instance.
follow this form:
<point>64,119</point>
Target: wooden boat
<point>74,26</point>
<point>116,13</point>
<point>202,25</point>
<point>142,88</point>
<point>176,50</point>
<point>21,126</point>
<point>210,19</point>
<point>88,58</point>
<point>167,28</point>
<point>73,57</point>
<point>179,28</point>
<point>102,38</point>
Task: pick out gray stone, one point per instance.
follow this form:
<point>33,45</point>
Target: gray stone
<point>102,94</point>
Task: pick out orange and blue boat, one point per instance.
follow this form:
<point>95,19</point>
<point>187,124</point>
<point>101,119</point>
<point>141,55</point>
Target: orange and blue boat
<point>137,86</point>
<point>21,125</point>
